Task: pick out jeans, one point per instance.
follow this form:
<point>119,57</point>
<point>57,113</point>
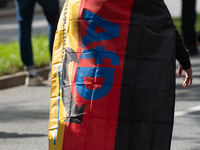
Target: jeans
<point>188,22</point>
<point>25,11</point>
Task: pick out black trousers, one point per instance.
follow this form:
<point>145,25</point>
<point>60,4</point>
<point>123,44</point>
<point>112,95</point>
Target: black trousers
<point>188,23</point>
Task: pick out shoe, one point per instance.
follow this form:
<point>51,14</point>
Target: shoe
<point>33,80</point>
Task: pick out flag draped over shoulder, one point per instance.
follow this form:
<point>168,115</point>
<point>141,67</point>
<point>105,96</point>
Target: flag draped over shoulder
<point>110,87</point>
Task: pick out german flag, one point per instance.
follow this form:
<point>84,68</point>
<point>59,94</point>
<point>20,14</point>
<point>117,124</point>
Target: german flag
<point>111,88</point>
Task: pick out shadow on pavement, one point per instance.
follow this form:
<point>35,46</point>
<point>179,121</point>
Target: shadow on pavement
<point>19,116</point>
<point>187,133</point>
<point>191,93</point>
<point>5,135</point>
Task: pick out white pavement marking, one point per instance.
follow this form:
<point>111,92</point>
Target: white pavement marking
<point>187,111</point>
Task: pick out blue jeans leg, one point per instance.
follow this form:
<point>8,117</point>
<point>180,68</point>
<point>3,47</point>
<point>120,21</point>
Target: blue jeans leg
<point>25,9</point>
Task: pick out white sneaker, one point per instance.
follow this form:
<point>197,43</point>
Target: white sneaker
<point>33,81</point>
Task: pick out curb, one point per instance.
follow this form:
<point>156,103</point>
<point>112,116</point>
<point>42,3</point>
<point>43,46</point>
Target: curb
<point>17,79</point>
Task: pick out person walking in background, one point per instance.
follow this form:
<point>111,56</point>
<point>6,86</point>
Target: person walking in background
<point>188,25</point>
<point>25,11</point>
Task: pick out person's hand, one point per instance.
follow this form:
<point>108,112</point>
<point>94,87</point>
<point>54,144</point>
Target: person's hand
<point>188,76</point>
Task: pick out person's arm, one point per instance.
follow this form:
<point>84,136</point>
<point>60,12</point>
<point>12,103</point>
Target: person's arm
<point>182,55</point>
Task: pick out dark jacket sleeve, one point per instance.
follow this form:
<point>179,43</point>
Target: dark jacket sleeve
<point>182,54</point>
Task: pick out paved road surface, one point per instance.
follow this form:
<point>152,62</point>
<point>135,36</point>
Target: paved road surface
<point>24,118</point>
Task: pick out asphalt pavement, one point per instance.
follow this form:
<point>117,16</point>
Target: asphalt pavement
<point>25,110</point>
<point>24,117</point>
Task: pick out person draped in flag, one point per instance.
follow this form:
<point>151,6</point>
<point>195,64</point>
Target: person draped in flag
<point>113,76</point>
